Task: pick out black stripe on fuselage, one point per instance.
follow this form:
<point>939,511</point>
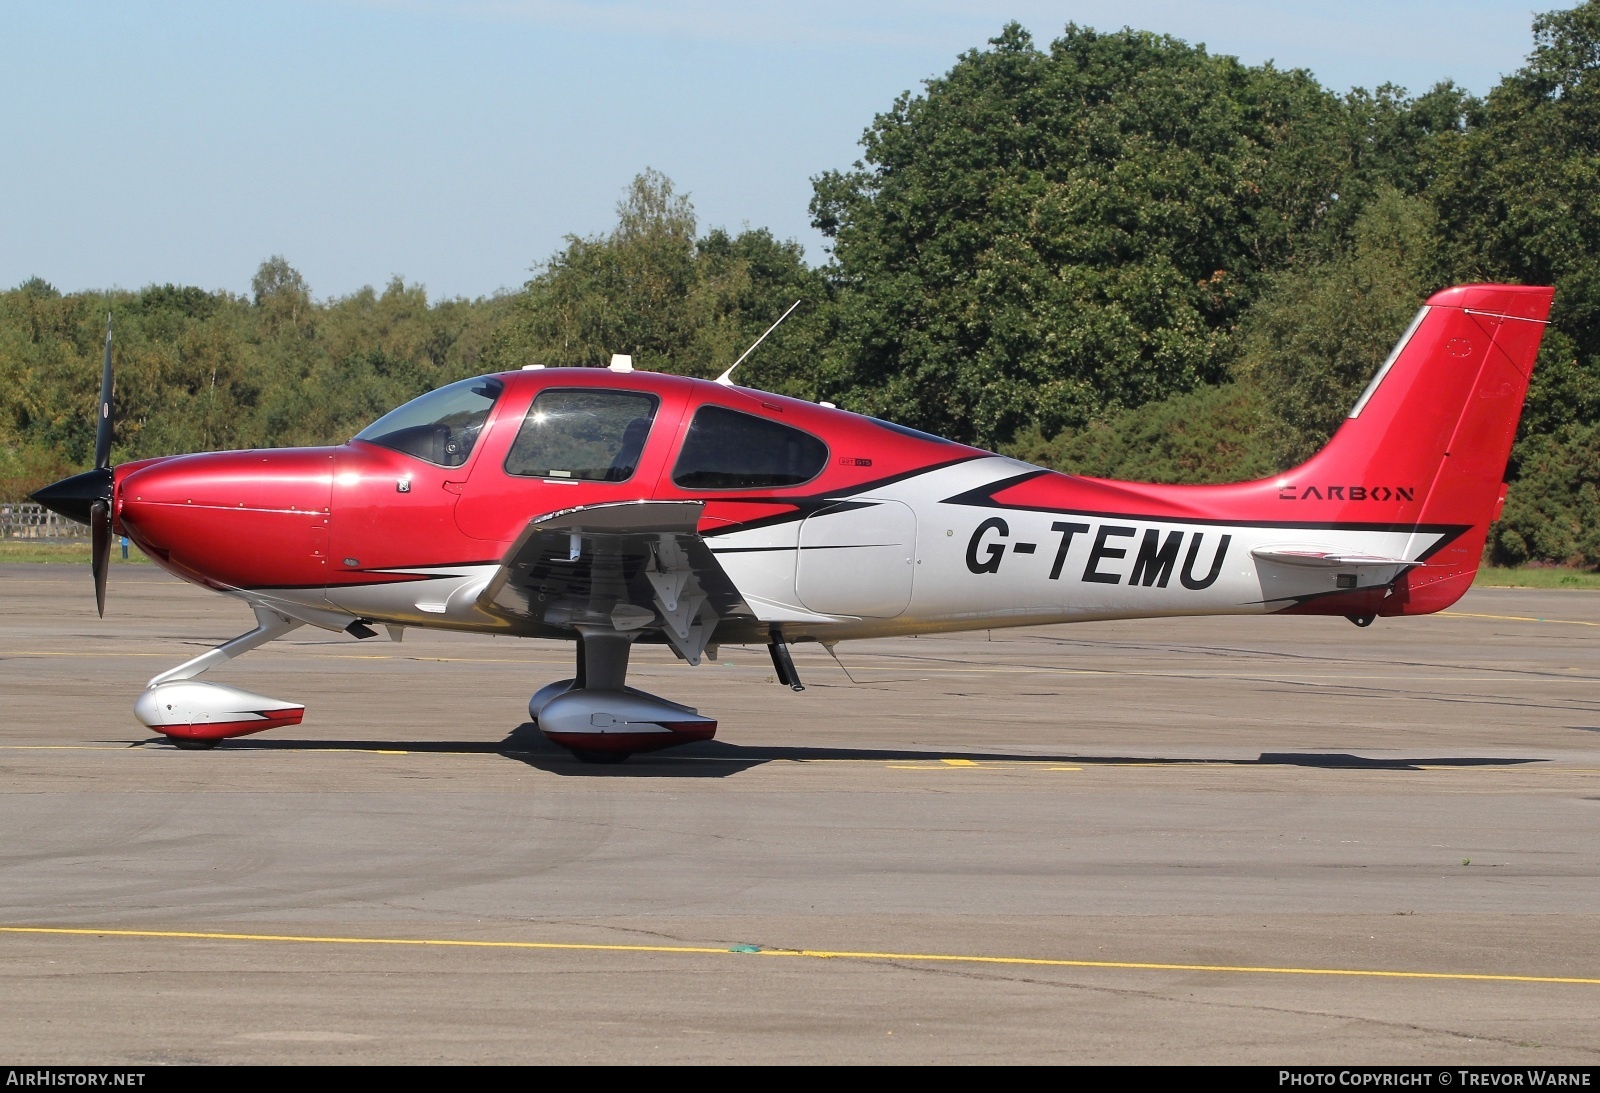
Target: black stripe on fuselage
<point>810,504</point>
<point>814,546</point>
<point>444,573</point>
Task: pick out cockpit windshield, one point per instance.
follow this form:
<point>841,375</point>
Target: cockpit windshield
<point>441,426</point>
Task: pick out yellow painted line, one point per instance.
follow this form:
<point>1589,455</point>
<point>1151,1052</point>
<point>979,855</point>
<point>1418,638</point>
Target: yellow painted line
<point>958,764</point>
<point>814,954</point>
<point>52,653</point>
<point>1516,618</point>
<point>64,747</point>
<point>1294,678</point>
<point>1536,766</point>
<point>65,578</point>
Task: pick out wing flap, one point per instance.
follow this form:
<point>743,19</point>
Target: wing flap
<point>625,566</point>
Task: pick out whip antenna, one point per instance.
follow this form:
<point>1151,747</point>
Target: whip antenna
<point>724,378</point>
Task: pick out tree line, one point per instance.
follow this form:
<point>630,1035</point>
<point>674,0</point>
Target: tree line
<point>1117,255</point>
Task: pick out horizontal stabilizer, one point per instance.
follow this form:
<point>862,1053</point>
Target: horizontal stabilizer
<point>1319,558</point>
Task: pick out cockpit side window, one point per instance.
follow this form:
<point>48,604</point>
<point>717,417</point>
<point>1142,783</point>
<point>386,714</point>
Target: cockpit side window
<point>728,450</point>
<point>442,426</point>
<point>591,434</point>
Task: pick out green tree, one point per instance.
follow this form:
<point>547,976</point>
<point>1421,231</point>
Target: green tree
<point>1552,512</point>
<point>1043,237</point>
<point>1210,434</point>
<point>673,301</point>
<point>1519,200</point>
<point>620,293</point>
<point>281,292</point>
<point>200,370</point>
<point>1518,196</point>
<point>1320,332</point>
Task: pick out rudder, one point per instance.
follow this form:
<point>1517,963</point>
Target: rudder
<point>1437,421</point>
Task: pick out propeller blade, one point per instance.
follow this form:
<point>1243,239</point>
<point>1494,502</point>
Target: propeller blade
<point>87,497</point>
<point>100,540</point>
<point>102,431</point>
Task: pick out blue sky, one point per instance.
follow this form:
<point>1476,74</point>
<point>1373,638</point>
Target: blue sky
<point>456,143</point>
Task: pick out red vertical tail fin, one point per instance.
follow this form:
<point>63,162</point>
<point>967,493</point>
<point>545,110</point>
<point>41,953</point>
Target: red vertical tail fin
<point>1435,427</point>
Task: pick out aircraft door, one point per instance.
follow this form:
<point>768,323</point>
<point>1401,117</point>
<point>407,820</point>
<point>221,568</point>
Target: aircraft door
<point>394,497</point>
<point>571,446</point>
<point>858,558</point>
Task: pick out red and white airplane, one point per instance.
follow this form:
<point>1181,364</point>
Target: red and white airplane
<point>609,507</point>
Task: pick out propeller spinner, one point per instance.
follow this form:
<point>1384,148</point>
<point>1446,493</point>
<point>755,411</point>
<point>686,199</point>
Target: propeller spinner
<point>86,497</point>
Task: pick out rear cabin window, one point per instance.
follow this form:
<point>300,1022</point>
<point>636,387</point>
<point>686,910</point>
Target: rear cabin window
<point>727,450</point>
<point>588,434</point>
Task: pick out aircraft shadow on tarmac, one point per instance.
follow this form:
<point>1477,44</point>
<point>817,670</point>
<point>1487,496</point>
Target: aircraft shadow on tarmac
<point>717,759</point>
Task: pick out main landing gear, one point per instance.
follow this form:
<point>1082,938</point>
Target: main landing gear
<point>598,718</point>
<point>195,715</point>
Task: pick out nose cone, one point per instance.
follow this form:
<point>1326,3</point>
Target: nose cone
<point>234,519</point>
<point>74,497</point>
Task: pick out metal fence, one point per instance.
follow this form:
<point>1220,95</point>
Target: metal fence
<point>26,520</point>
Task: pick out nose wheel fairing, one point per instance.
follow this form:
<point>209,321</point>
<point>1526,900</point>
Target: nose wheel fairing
<point>183,708</point>
<point>188,709</point>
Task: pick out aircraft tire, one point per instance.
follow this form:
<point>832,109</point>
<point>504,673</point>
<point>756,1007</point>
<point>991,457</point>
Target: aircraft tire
<point>184,743</point>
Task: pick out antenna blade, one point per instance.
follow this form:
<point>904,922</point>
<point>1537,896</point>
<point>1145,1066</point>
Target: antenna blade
<point>725,379</point>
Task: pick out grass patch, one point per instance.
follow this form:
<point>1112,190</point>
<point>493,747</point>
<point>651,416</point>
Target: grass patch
<point>20,550</point>
<point>1542,576</point>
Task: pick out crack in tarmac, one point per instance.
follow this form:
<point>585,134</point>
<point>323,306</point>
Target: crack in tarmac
<point>1254,1007</point>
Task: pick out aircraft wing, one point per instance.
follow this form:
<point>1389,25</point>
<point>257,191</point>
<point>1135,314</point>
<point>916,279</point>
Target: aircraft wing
<point>1318,558</point>
<point>630,565</point>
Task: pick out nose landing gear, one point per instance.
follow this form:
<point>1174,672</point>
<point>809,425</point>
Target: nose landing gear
<point>196,715</point>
